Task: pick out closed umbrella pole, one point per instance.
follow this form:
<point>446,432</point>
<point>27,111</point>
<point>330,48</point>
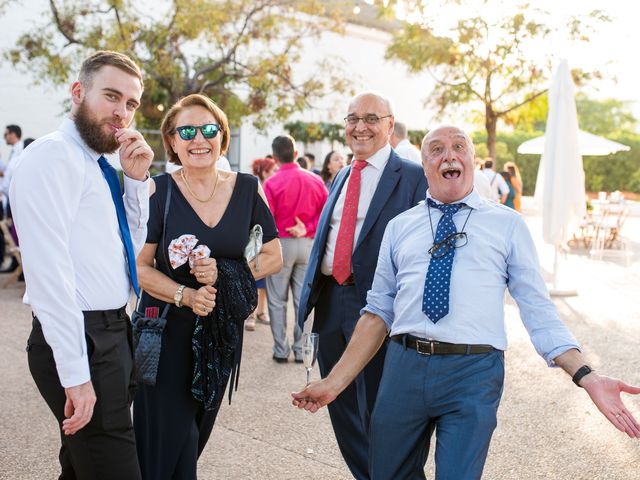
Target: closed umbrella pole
<point>560,184</point>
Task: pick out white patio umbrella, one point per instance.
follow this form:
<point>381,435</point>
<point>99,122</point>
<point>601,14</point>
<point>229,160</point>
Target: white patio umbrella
<point>589,143</point>
<point>560,184</point>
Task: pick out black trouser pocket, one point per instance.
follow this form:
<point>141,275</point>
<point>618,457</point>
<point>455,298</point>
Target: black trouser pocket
<point>111,364</point>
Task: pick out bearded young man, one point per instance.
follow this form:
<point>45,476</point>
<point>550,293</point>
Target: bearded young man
<point>438,292</point>
<point>78,238</point>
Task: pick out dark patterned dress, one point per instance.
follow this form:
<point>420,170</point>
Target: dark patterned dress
<point>172,428</point>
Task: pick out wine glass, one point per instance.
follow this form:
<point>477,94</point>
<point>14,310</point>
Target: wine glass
<point>310,343</point>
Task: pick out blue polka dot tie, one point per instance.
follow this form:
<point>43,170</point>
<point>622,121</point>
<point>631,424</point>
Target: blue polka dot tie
<point>435,302</point>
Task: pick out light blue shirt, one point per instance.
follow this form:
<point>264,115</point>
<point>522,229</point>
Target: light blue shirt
<point>500,254</point>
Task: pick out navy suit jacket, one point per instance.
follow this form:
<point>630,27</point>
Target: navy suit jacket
<point>401,186</point>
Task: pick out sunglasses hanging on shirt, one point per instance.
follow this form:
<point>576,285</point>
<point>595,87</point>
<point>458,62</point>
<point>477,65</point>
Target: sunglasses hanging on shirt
<point>455,240</point>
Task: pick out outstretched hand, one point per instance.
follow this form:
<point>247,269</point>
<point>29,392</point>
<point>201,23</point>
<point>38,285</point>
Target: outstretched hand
<point>605,394</point>
<point>314,396</point>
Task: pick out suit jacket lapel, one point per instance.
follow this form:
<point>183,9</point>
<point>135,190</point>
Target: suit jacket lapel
<point>388,180</point>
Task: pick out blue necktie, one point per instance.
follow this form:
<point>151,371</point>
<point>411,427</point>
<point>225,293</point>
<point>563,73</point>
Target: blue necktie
<point>435,302</point>
<point>111,177</point>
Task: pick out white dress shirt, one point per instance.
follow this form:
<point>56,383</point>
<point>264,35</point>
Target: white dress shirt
<point>72,253</point>
<point>497,183</point>
<point>369,178</point>
<point>16,150</point>
<point>406,149</point>
<point>482,185</point>
<point>11,166</point>
<point>500,254</point>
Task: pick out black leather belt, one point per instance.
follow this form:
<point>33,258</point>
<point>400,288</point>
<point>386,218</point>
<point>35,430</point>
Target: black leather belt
<point>432,347</point>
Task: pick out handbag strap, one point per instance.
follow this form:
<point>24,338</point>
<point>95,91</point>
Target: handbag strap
<point>163,243</point>
<point>167,202</point>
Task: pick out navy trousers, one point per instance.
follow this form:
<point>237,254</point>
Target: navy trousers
<point>336,314</point>
<point>457,395</point>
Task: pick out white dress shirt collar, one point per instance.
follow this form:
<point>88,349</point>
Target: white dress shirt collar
<point>68,127</point>
<point>473,200</point>
<point>380,158</point>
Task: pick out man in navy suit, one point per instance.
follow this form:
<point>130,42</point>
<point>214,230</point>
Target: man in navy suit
<point>377,186</point>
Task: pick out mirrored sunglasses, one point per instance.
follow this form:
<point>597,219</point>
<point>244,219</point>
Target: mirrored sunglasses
<point>188,132</point>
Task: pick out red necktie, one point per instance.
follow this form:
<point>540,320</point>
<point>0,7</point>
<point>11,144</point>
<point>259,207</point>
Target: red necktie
<point>344,242</point>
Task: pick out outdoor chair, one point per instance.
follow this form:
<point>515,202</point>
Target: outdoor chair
<point>607,239</point>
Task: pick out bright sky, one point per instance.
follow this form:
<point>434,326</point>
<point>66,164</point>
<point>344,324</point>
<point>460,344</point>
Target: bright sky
<point>612,49</point>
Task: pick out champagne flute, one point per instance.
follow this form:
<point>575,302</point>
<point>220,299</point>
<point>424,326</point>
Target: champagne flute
<point>310,343</point>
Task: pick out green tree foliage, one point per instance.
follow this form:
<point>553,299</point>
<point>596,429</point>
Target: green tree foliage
<point>602,117</point>
<point>620,171</point>
<point>605,117</point>
<point>482,60</point>
<point>309,132</point>
<point>241,53</point>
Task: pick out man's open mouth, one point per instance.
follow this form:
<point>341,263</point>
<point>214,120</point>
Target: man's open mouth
<point>449,173</point>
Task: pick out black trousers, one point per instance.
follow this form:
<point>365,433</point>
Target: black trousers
<point>105,448</point>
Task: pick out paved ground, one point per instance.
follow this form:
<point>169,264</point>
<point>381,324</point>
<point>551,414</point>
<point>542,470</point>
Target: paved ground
<point>548,429</point>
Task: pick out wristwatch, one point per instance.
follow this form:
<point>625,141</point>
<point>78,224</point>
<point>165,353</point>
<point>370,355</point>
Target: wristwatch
<point>177,297</point>
<point>582,371</point>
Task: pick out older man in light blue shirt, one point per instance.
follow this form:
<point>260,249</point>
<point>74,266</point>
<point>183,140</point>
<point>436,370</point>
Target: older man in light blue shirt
<point>445,369</point>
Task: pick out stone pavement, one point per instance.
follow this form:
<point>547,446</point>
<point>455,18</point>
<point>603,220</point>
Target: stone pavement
<point>547,428</point>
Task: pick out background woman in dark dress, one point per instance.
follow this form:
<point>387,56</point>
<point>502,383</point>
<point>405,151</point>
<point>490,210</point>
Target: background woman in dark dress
<point>219,208</point>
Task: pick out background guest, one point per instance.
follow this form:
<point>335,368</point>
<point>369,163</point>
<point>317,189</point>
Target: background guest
<point>304,163</point>
<point>400,142</point>
<point>512,191</point>
<point>516,181</point>
<point>333,163</point>
<point>296,198</point>
<point>499,188</point>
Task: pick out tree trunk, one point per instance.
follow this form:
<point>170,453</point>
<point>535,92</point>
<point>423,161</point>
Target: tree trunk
<point>490,123</point>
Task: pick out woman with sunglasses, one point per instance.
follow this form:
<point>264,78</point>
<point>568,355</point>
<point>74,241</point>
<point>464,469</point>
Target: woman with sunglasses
<point>215,209</point>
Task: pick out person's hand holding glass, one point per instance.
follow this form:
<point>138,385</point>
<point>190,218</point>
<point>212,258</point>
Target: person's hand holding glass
<point>310,342</point>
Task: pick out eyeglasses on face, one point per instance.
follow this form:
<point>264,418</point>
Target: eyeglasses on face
<point>208,130</point>
<point>369,119</point>
<point>455,240</point>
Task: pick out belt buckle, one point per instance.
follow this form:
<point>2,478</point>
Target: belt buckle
<point>425,347</point>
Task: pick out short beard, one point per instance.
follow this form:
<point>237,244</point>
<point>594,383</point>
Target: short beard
<point>91,130</point>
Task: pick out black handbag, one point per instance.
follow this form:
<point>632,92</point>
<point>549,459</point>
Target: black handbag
<point>147,331</point>
<point>147,338</point>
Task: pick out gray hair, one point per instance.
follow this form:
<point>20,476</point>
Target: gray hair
<point>400,130</point>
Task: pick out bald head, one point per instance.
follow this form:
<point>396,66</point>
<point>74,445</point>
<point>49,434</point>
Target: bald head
<point>447,158</point>
<point>369,123</point>
<point>370,94</point>
<point>433,133</point>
